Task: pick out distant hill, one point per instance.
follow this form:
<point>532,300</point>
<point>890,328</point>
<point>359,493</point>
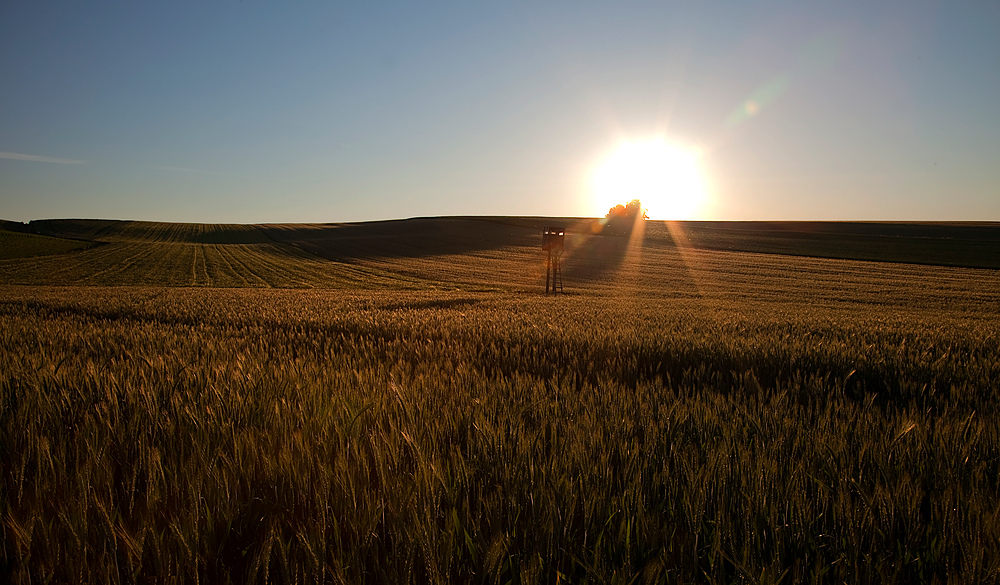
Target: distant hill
<point>471,252</point>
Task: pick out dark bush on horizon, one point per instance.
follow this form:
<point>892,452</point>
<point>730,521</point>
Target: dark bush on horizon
<point>621,219</point>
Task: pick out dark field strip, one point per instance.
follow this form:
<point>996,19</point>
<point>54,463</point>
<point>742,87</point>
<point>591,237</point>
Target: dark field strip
<point>24,245</point>
<point>967,245</point>
<point>149,231</point>
<point>255,435</point>
<point>960,244</point>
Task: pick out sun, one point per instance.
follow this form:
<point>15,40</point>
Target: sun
<point>667,177</point>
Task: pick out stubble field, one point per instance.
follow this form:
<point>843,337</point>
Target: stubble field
<point>406,406</point>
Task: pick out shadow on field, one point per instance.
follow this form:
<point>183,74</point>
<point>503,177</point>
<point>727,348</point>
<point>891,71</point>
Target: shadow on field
<point>963,244</point>
<point>595,258</point>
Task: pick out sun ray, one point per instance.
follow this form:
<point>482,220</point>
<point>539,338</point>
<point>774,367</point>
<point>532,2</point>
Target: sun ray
<point>680,239</point>
<point>631,265</point>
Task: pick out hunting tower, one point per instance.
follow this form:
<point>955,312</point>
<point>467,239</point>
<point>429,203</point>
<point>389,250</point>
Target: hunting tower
<point>552,244</point>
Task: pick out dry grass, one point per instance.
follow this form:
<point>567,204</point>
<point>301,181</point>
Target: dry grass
<point>684,416</point>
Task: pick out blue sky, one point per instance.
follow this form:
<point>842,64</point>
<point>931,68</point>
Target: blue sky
<point>316,111</point>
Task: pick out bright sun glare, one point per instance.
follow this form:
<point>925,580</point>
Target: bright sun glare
<point>665,176</point>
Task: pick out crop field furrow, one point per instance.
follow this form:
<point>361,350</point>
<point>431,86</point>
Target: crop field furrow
<point>285,271</point>
<point>88,268</point>
<point>23,270</point>
<point>228,274</point>
<point>178,231</point>
<point>147,232</point>
<point>252,262</point>
<point>367,273</point>
<point>219,271</point>
<point>135,258</point>
<point>354,274</point>
<point>318,272</point>
<point>152,264</point>
<point>203,273</point>
<point>166,265</point>
<point>248,261</point>
<point>189,257</point>
<point>315,271</point>
<point>204,277</point>
<point>72,268</point>
<point>197,257</point>
<point>267,267</point>
<point>75,267</point>
<point>211,266</point>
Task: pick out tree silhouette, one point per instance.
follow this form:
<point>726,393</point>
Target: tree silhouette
<point>621,218</point>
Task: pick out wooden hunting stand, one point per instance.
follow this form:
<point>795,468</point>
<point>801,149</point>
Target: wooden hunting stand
<point>552,244</point>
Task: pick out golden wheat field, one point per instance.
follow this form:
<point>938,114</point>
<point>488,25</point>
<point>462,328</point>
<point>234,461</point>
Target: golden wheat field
<point>398,402</point>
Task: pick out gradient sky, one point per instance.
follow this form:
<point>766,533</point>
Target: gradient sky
<point>319,111</point>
